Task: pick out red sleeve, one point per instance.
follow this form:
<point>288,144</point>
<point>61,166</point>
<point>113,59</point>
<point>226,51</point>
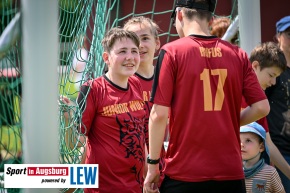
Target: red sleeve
<point>163,80</point>
<point>88,105</point>
<point>264,123</point>
<point>252,89</point>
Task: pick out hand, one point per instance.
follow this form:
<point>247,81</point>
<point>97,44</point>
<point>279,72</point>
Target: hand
<point>66,106</point>
<point>152,179</point>
<point>64,100</point>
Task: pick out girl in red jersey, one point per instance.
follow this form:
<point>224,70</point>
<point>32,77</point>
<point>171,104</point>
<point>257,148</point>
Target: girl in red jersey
<point>113,117</point>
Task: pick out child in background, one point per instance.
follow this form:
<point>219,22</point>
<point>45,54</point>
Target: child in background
<point>260,177</point>
<point>219,27</point>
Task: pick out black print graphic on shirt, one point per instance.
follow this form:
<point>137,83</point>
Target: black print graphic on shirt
<point>133,139</point>
<point>286,127</point>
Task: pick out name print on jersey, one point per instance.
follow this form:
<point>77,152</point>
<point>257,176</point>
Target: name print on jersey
<point>123,108</point>
<point>210,52</point>
<point>146,95</point>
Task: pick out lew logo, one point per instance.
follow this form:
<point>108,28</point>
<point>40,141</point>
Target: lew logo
<point>51,176</point>
<point>83,175</point>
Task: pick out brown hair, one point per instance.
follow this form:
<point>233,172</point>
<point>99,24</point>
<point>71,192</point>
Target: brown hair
<point>190,13</point>
<point>117,33</point>
<point>269,54</point>
<point>219,26</point>
<point>154,28</point>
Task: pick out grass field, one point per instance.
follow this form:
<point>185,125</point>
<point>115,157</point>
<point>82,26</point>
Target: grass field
<point>10,141</point>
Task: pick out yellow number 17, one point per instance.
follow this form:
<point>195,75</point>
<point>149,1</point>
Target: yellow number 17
<point>220,95</point>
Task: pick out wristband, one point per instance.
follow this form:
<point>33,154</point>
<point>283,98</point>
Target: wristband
<point>152,161</point>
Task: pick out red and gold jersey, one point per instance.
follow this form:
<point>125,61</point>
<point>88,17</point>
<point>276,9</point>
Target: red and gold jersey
<point>113,120</point>
<point>202,80</point>
<point>147,87</point>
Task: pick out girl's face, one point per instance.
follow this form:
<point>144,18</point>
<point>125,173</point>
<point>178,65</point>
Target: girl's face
<point>149,44</point>
<point>267,76</point>
<point>123,59</point>
<point>250,145</point>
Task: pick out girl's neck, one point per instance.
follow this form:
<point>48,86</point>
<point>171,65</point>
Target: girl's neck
<point>121,82</point>
<point>146,71</point>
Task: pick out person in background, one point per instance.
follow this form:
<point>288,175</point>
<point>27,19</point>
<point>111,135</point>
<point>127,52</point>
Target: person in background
<point>279,99</point>
<point>147,31</point>
<point>260,177</point>
<point>268,62</point>
<point>79,61</point>
<point>201,79</point>
<point>219,27</point>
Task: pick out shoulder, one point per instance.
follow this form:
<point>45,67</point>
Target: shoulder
<point>94,84</point>
<point>179,42</point>
<point>134,80</point>
<point>135,83</point>
<point>269,170</point>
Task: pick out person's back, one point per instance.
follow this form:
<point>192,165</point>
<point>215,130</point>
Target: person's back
<point>201,79</point>
<point>208,85</point>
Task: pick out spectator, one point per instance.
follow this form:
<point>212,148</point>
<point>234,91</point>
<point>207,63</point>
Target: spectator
<point>219,27</point>
<point>279,98</point>
<point>268,62</point>
<point>79,62</point>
